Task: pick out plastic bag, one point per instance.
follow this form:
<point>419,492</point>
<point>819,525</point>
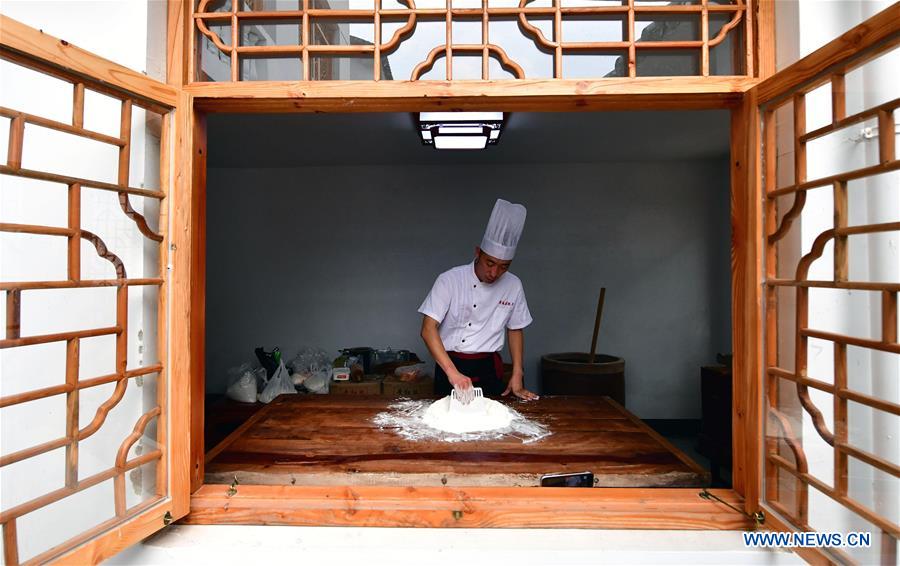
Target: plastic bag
<point>279,383</point>
<point>261,379</point>
<point>312,369</point>
<point>411,372</point>
<point>242,384</point>
<point>235,373</point>
<point>317,383</point>
<point>269,360</point>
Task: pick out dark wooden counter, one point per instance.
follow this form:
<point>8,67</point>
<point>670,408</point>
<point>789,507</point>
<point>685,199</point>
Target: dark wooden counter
<point>331,440</point>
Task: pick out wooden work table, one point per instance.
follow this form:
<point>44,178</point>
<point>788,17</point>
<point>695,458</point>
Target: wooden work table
<point>332,440</point>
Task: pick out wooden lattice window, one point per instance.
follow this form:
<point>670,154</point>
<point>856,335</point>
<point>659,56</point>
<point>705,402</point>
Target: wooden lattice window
<point>832,276</point>
<point>83,399</point>
<point>241,40</point>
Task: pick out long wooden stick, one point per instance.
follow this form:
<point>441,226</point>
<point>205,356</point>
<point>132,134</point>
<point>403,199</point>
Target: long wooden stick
<point>597,323</point>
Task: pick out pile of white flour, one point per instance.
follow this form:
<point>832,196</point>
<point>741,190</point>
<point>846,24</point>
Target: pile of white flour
<point>480,414</point>
<point>483,419</point>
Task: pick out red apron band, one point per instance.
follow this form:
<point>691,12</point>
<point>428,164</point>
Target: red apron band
<point>471,356</point>
<point>498,361</point>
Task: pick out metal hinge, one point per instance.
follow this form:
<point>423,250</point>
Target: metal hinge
<point>232,489</point>
<point>759,517</point>
<point>167,519</point>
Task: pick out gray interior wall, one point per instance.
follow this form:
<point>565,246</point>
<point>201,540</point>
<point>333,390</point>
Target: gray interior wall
<point>343,256</point>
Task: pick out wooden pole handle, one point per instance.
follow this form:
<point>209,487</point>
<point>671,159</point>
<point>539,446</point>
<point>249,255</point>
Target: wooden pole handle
<point>597,323</point>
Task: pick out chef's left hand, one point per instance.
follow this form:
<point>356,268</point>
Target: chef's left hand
<point>516,387</point>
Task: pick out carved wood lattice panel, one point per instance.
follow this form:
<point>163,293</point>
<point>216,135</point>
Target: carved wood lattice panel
<point>832,277</point>
<point>82,383</point>
<point>247,40</point>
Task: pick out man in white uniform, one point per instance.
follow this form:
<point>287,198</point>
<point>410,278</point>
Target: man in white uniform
<point>471,308</point>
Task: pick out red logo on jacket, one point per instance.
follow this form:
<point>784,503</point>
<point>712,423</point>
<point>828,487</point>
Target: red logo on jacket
<point>506,303</point>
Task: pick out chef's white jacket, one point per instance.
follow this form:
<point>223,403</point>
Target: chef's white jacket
<point>473,316</point>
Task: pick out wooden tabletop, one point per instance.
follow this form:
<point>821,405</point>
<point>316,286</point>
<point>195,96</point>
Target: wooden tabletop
<point>332,440</point>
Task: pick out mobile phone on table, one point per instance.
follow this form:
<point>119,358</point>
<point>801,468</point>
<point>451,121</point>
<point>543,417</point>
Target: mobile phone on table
<point>575,479</point>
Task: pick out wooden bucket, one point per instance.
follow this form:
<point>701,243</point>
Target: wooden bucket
<point>570,373</point>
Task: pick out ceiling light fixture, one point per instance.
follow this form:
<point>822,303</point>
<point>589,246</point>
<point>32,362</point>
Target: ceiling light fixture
<point>460,130</point>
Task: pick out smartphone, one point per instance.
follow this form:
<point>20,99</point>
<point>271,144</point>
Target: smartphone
<point>577,479</point>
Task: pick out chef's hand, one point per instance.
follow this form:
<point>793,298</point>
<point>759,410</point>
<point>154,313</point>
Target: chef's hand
<point>459,381</point>
<point>516,387</point>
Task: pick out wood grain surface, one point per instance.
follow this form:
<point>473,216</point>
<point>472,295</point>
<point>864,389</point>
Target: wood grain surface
<point>465,507</point>
<point>332,440</point>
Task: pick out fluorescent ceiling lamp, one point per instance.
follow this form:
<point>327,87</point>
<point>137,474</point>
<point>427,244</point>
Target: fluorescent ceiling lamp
<point>461,116</point>
<point>460,130</point>
<point>460,142</point>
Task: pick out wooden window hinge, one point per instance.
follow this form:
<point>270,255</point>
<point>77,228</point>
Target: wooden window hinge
<point>232,489</point>
<point>759,518</point>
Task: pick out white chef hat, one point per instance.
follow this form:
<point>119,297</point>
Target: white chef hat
<point>504,230</point>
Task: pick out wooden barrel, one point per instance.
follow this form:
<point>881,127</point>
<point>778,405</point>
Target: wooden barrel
<point>570,373</point>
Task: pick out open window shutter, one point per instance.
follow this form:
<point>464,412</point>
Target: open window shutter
<point>829,188</point>
<point>94,456</point>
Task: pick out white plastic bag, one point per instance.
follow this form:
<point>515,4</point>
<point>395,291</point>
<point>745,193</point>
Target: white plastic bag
<point>312,369</point>
<point>241,384</point>
<point>310,362</point>
<point>260,375</point>
<point>280,383</point>
<point>243,390</point>
<point>317,383</point>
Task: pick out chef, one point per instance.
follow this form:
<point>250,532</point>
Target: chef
<point>473,307</point>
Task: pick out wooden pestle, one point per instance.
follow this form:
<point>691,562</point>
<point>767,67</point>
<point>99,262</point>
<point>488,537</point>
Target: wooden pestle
<point>597,324</point>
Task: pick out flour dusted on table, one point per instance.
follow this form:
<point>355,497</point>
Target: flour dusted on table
<point>407,418</point>
<point>481,414</point>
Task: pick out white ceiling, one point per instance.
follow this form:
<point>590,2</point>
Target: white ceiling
<point>291,140</point>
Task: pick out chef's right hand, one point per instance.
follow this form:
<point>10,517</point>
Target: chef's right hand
<point>460,382</point>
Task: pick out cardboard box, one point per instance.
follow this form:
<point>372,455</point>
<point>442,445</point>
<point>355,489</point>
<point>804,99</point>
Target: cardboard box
<point>368,386</point>
<point>394,388</point>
